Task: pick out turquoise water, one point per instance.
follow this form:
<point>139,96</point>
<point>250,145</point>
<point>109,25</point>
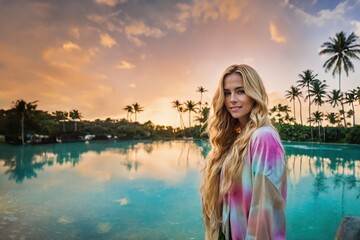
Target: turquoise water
<point>149,190</point>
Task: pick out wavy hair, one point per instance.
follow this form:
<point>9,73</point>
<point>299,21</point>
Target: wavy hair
<point>229,143</point>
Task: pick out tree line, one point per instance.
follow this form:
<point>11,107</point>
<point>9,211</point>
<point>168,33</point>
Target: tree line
<point>24,122</point>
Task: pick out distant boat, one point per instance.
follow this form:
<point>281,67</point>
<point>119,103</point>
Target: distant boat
<point>188,138</point>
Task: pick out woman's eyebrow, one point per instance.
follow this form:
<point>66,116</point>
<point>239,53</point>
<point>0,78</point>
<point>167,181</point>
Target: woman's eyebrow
<point>237,88</point>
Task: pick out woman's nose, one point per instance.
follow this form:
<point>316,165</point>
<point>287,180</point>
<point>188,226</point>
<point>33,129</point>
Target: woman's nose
<point>232,98</point>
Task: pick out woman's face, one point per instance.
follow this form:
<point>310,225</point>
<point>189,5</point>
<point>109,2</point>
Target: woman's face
<point>238,104</point>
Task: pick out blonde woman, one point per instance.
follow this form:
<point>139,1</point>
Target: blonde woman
<point>244,185</point>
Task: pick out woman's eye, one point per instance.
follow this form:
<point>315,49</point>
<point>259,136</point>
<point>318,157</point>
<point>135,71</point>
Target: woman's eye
<point>226,93</point>
<point>240,91</point>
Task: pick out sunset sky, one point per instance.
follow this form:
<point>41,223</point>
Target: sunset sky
<point>98,56</point>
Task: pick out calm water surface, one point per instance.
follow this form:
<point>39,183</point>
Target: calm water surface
<point>149,190</point>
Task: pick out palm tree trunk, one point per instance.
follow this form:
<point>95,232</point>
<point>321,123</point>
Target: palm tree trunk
<point>189,119</point>
<point>294,110</point>
<point>342,106</point>
<point>22,127</point>
<point>300,112</point>
<point>312,137</point>
<point>182,124</point>
<point>200,99</point>
<point>340,80</point>
<point>352,105</point>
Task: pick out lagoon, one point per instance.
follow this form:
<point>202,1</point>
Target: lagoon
<point>150,190</point>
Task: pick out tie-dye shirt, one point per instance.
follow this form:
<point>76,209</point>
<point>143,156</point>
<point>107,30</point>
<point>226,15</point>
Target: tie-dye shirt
<point>255,206</point>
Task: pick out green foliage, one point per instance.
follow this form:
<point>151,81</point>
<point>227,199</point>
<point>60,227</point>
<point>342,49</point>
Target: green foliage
<point>293,132</point>
<point>328,134</point>
<point>353,135</point>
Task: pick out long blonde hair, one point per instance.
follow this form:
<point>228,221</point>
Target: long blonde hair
<point>229,142</point>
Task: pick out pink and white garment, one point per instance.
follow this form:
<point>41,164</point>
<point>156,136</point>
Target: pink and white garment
<point>255,206</point>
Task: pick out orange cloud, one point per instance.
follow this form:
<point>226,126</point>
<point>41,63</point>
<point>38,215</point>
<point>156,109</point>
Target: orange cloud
<point>132,85</point>
<point>230,8</point>
<point>74,32</point>
<point>107,41</point>
<point>139,28</point>
<point>69,46</point>
<point>212,9</point>
<point>107,2</point>
<point>275,35</point>
<point>125,65</point>
<point>69,55</point>
<point>95,18</point>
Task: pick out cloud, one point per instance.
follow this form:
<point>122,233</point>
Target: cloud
<point>74,32</point>
<point>110,3</point>
<point>132,85</point>
<point>177,26</point>
<point>324,15</point>
<point>230,8</point>
<point>206,10</point>
<point>211,9</point>
<point>125,65</point>
<point>69,55</point>
<point>275,35</point>
<point>107,41</point>
<point>139,28</point>
<point>95,18</point>
<point>356,25</point>
<point>69,46</point>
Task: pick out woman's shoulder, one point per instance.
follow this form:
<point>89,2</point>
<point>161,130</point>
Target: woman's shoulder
<point>265,131</point>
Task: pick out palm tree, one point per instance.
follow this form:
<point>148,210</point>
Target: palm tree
<point>317,90</point>
<point>203,115</point>
<point>350,98</point>
<point>61,116</point>
<point>74,115</point>
<point>190,106</point>
<point>341,49</point>
<point>137,109</point>
<point>333,118</point>
<point>129,110</point>
<point>179,108</point>
<point>25,110</point>
<point>201,90</point>
<point>317,118</point>
<point>292,94</point>
<point>306,78</point>
<point>357,92</point>
<point>335,98</point>
<point>281,114</point>
<point>350,114</point>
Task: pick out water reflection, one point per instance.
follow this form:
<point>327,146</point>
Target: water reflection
<point>330,166</point>
<point>106,190</point>
<point>163,160</point>
<point>167,160</point>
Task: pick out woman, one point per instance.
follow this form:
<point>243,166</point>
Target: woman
<point>244,186</point>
